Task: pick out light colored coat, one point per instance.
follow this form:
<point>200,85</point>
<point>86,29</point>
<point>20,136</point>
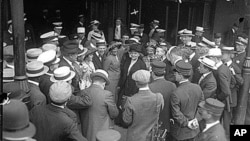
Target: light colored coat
<point>142,112</point>
<point>97,117</point>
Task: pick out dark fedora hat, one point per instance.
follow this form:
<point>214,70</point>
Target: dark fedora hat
<point>100,73</point>
<point>135,47</point>
<point>16,122</point>
<point>71,47</point>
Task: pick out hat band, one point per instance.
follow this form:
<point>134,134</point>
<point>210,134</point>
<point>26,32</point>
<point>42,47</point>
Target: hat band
<point>34,71</point>
<point>64,77</point>
<point>15,130</point>
<point>50,62</point>
<point>8,78</point>
<point>32,57</point>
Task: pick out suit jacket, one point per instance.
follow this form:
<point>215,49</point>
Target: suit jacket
<point>169,73</point>
<point>97,117</point>
<point>166,88</point>
<point>223,79</point>
<point>141,111</point>
<point>208,86</point>
<point>195,64</point>
<point>97,62</point>
<point>184,103</point>
<point>126,83</point>
<point>236,81</point>
<point>239,59</point>
<point>215,133</point>
<point>44,85</point>
<point>123,31</point>
<point>36,96</point>
<point>76,79</point>
<point>55,124</point>
<point>230,38</point>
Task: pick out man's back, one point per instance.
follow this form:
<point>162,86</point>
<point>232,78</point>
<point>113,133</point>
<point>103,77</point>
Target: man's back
<point>54,124</point>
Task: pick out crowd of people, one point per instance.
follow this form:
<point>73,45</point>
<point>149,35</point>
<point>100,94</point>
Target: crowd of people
<point>81,87</point>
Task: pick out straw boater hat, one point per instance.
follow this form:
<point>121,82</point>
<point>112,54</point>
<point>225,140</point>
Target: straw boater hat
<point>198,28</point>
<point>48,46</point>
<point>187,33</point>
<point>214,52</point>
<point>100,73</point>
<point>33,53</point>
<point>16,124</point>
<point>230,50</point>
<point>62,74</point>
<point>35,69</point>
<point>8,75</point>
<point>207,62</point>
<point>48,57</point>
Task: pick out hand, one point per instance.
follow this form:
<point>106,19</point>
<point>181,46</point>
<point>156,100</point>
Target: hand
<point>193,124</point>
<point>232,70</point>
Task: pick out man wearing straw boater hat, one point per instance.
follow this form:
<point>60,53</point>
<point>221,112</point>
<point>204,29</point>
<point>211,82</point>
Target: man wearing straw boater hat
<point>16,124</point>
<point>51,61</point>
<point>241,53</point>
<point>186,37</point>
<point>236,77</point>
<point>184,103</point>
<point>223,79</point>
<point>210,111</point>
<point>141,111</point>
<point>55,122</point>
<point>199,31</point>
<point>207,81</point>
<point>34,70</point>
<point>32,54</point>
<point>98,116</point>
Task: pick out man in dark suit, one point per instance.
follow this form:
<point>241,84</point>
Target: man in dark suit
<point>69,52</point>
<point>34,70</point>
<point>231,35</point>
<point>207,81</point>
<point>199,31</point>
<point>239,58</point>
<point>210,111</point>
<point>223,79</point>
<point>54,122</point>
<point>184,104</point>
<point>81,23</point>
<point>99,55</point>
<point>119,30</point>
<point>236,79</point>
<point>218,40</point>
<point>166,88</point>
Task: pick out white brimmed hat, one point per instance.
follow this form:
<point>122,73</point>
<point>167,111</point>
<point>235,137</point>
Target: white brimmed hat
<point>80,30</point>
<point>33,53</point>
<point>133,25</point>
<point>48,46</point>
<point>214,52</point>
<point>48,35</point>
<point>187,33</point>
<point>62,74</point>
<point>60,91</point>
<point>160,30</point>
<point>198,28</point>
<point>35,69</point>
<point>48,57</point>
<point>8,75</point>
<point>207,62</point>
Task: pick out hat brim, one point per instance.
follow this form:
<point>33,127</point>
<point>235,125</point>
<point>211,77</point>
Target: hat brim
<point>82,52</point>
<point>102,76</point>
<point>46,69</point>
<point>72,75</point>
<point>214,68</point>
<point>186,35</point>
<point>27,132</point>
<point>8,80</point>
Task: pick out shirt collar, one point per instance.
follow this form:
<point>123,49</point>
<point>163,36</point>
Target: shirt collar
<point>229,63</point>
<point>218,64</point>
<point>58,105</point>
<point>144,88</point>
<point>158,78</point>
<point>191,56</point>
<point>33,82</point>
<point>206,74</point>
<point>183,81</point>
<point>67,61</point>
<point>209,125</point>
